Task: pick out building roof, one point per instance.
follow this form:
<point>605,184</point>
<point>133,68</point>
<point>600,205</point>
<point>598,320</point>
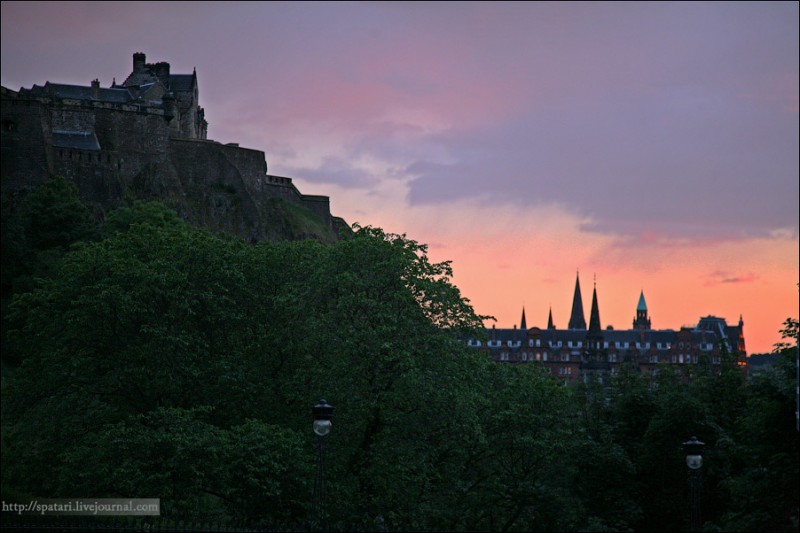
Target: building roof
<point>80,92</point>
<point>181,82</point>
<point>642,306</point>
<point>576,319</point>
<point>76,140</point>
<point>594,316</point>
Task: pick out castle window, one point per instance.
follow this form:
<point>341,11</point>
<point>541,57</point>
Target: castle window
<point>580,344</point>
<point>565,357</point>
<point>680,358</point>
<point>674,358</point>
<point>612,357</point>
<point>538,356</point>
<point>544,356</point>
<point>538,342</point>
<point>654,359</point>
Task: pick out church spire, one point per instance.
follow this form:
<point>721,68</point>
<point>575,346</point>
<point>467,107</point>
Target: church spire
<point>594,337</point>
<point>550,324</point>
<point>642,321</point>
<point>576,319</point>
<point>523,324</point>
<point>594,317</point>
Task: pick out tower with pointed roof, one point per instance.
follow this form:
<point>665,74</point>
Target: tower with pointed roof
<point>595,354</point>
<point>642,321</point>
<point>523,324</point>
<point>576,319</point>
<point>594,337</point>
<point>593,359</point>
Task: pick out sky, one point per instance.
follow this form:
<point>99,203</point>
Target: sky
<point>648,146</point>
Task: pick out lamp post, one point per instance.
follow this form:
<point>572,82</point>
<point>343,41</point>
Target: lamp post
<point>322,413</point>
<point>693,449</point>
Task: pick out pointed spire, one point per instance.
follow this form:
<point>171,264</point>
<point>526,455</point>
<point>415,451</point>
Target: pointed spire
<point>641,321</point>
<point>576,319</point>
<point>523,325</point>
<point>642,306</point>
<point>550,324</point>
<point>594,317</point>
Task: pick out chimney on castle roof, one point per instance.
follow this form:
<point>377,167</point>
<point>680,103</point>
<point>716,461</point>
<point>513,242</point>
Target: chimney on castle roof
<point>138,61</point>
<point>95,89</point>
<point>162,71</point>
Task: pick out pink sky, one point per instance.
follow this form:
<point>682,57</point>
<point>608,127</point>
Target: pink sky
<point>654,145</point>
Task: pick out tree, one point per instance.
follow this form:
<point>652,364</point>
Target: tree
<point>764,492</point>
<point>183,344</point>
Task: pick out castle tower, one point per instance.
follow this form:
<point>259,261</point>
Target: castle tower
<point>642,321</point>
<point>576,319</point>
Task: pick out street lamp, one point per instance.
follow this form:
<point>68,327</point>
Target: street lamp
<point>321,413</point>
<point>693,449</point>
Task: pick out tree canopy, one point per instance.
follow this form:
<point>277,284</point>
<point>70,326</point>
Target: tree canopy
<point>154,359</point>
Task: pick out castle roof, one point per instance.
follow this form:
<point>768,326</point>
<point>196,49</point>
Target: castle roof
<point>80,92</point>
<point>78,140</point>
<point>181,82</point>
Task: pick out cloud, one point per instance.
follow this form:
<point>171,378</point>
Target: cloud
<point>720,276</point>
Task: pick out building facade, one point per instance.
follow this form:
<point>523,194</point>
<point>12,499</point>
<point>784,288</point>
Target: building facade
<point>581,353</point>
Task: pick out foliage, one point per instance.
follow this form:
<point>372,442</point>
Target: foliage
<point>163,361</point>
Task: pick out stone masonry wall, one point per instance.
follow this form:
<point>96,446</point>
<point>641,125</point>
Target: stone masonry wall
<point>222,187</point>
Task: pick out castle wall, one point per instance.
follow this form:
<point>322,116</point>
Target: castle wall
<point>24,162</point>
<point>117,153</point>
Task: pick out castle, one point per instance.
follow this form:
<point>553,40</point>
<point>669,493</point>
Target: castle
<point>146,139</point>
<point>578,352</point>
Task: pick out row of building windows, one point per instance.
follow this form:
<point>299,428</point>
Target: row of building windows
<point>704,346</point>
<point>612,358</point>
<point>89,157</point>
